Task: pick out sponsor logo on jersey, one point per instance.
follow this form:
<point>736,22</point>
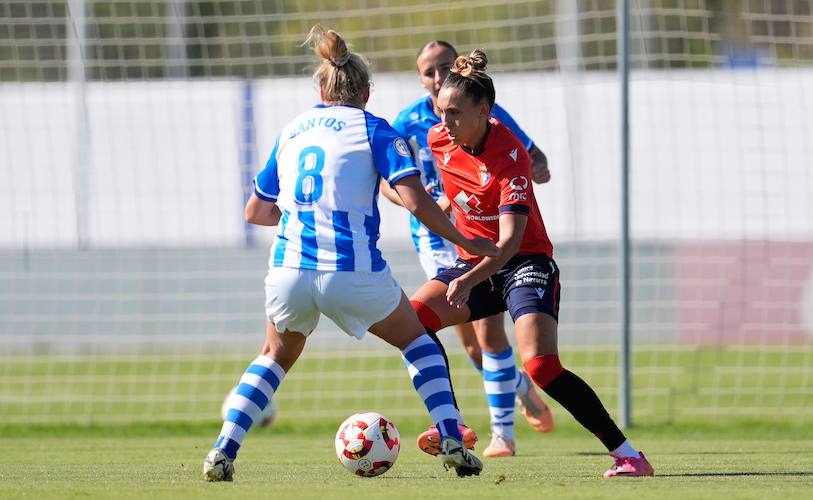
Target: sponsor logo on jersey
<point>401,147</point>
<point>519,183</point>
<point>513,154</point>
<point>484,178</point>
<point>467,203</point>
<point>482,218</point>
<point>446,158</point>
<point>518,197</point>
<point>540,292</point>
<point>414,116</point>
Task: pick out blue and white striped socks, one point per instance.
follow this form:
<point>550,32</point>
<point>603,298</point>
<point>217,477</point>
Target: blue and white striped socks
<point>523,385</point>
<point>257,386</point>
<point>522,380</point>
<point>500,381</point>
<point>430,376</point>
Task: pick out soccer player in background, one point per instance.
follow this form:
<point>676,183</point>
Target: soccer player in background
<point>484,340</point>
<point>486,175</point>
<point>320,185</point>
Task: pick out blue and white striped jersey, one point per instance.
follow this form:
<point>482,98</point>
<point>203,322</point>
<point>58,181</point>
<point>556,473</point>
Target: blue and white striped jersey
<point>323,174</point>
<point>413,123</point>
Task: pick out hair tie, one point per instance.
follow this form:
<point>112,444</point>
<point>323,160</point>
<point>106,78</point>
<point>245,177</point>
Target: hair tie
<point>339,62</point>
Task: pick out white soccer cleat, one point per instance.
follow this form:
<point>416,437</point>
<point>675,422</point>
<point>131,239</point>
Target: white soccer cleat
<point>453,454</point>
<point>217,466</point>
<point>500,446</point>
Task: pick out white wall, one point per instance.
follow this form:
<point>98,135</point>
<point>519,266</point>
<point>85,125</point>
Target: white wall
<point>716,155</point>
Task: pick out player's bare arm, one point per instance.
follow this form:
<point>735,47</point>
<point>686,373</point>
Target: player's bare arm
<point>261,212</point>
<point>415,198</point>
<point>539,165</point>
<point>392,195</point>
<point>389,193</point>
<point>512,228</point>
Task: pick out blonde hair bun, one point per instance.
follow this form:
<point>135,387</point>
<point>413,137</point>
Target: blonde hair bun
<point>473,63</point>
<point>342,75</point>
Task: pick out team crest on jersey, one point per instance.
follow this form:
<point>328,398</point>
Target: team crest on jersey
<point>401,147</point>
<point>513,154</point>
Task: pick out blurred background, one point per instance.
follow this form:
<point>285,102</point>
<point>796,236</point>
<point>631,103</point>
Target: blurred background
<point>131,290</point>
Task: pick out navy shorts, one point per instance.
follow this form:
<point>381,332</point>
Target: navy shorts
<point>525,284</point>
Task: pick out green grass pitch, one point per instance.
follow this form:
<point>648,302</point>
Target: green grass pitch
<point>715,423</point>
<point>744,461</point>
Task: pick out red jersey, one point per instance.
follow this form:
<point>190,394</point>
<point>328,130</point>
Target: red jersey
<point>481,187</point>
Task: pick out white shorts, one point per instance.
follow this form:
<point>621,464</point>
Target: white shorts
<point>434,261</point>
<point>294,298</point>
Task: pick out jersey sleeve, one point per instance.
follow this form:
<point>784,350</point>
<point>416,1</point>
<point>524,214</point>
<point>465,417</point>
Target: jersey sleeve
<point>437,138</point>
<point>266,184</point>
<point>515,186</point>
<point>399,124</point>
<point>507,120</point>
<point>391,154</point>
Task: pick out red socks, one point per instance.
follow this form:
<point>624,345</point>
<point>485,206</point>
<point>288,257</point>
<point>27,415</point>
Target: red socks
<point>543,369</point>
<point>428,318</point>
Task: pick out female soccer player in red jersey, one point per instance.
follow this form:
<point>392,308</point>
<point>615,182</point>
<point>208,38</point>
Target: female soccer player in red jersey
<point>502,382</point>
<point>486,174</point>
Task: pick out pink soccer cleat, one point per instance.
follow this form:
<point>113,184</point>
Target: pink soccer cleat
<point>429,441</point>
<point>631,467</point>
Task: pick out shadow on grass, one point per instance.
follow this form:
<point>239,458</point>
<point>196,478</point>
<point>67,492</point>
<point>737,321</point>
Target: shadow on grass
<point>744,452</point>
<point>735,474</point>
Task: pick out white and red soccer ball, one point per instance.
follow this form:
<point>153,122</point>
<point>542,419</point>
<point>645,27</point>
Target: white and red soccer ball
<point>367,444</point>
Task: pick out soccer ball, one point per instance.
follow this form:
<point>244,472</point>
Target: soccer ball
<point>367,444</point>
<point>266,418</point>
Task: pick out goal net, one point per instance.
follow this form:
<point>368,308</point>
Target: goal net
<point>132,289</point>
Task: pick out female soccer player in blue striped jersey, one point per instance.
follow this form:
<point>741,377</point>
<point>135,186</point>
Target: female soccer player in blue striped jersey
<point>321,187</point>
<point>485,340</point>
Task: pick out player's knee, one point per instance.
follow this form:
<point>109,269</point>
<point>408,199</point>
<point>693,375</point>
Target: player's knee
<point>426,315</point>
<point>544,369</point>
